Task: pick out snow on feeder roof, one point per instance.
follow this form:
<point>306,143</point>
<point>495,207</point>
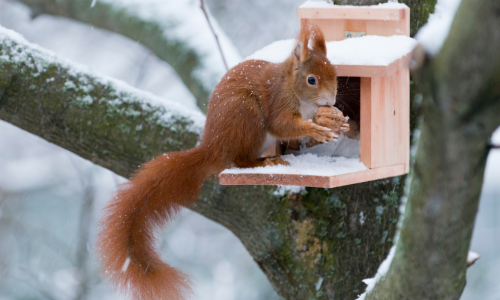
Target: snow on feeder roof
<point>366,56</point>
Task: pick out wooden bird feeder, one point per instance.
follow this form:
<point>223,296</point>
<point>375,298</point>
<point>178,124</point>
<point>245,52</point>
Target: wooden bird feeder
<point>384,92</point>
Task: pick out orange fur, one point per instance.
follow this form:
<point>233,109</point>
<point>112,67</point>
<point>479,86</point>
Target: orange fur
<point>254,99</point>
<point>318,42</point>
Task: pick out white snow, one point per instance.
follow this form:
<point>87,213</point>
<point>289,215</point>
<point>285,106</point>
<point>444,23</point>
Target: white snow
<point>324,4</point>
<point>362,218</point>
<point>17,49</point>
<point>126,264</point>
<point>433,34</point>
<point>389,4</point>
<point>318,283</point>
<point>276,52</point>
<point>343,146</point>
<point>183,21</point>
<point>367,50</point>
<point>307,164</point>
<point>495,137</point>
<point>381,271</point>
<point>472,257</point>
<point>317,4</point>
<point>282,190</point>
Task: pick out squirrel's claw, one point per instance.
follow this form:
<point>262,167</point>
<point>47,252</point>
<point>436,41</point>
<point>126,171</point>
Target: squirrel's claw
<point>345,127</point>
<point>322,134</point>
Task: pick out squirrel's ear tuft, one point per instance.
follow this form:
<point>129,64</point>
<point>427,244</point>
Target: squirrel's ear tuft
<point>298,53</point>
<point>310,38</point>
<point>317,39</point>
<point>301,51</point>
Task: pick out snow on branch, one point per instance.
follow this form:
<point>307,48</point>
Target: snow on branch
<point>86,112</point>
<point>36,60</point>
<point>183,21</point>
<point>433,34</point>
<point>176,31</point>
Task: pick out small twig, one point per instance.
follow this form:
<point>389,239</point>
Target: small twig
<point>202,5</point>
<point>493,146</point>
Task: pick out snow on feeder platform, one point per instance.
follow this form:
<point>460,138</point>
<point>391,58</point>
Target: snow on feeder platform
<point>370,48</point>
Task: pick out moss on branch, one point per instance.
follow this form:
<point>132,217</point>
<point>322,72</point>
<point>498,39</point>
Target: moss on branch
<point>94,117</point>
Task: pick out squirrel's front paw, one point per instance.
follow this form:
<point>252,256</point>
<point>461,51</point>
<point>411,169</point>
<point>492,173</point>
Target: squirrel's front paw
<point>332,118</point>
<point>322,134</point>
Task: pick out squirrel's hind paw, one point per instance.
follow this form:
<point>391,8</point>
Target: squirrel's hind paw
<point>274,161</point>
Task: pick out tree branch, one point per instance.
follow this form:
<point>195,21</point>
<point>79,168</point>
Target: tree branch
<point>171,30</point>
<point>460,112</point>
<point>95,117</point>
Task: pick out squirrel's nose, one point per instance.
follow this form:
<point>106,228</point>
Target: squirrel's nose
<point>328,100</point>
<point>331,101</point>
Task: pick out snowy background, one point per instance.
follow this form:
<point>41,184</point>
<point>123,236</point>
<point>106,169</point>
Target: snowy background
<point>50,199</point>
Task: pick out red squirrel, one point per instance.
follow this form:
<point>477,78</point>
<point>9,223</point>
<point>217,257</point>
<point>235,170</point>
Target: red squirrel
<point>255,103</point>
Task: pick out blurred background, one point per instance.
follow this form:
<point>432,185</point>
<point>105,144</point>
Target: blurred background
<point>51,199</point>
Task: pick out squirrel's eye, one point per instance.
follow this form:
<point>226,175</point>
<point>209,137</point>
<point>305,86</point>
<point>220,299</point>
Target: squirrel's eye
<point>311,80</point>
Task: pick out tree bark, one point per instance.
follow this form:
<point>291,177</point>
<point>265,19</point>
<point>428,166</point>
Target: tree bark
<point>461,109</point>
<point>314,246</point>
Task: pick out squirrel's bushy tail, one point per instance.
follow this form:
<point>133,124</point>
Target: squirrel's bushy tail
<point>126,242</point>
